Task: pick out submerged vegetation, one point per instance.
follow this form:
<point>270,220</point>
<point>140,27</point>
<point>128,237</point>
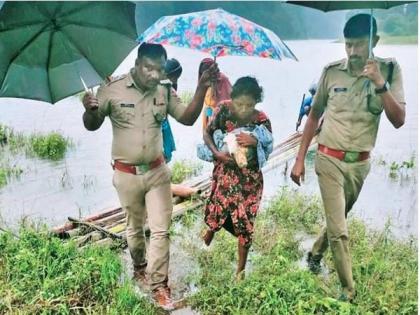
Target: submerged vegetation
<point>52,146</point>
<point>7,171</point>
<point>184,169</point>
<point>399,169</point>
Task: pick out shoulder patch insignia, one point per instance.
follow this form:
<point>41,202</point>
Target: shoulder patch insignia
<point>335,63</point>
<point>111,79</point>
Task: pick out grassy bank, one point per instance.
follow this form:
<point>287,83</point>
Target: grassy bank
<point>39,274</point>
<point>385,270</point>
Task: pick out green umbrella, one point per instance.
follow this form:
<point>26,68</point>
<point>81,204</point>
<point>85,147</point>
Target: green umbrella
<point>350,5</point>
<point>51,50</point>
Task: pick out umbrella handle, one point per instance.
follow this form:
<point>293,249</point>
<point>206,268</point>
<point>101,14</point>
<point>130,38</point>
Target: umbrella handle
<point>213,84</point>
<point>370,33</point>
<point>87,90</point>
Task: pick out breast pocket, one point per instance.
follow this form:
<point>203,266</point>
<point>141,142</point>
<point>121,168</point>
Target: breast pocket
<point>160,109</point>
<point>124,111</point>
<point>338,99</point>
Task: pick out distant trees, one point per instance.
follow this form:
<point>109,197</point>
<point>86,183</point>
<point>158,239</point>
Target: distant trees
<point>397,21</point>
<point>287,21</point>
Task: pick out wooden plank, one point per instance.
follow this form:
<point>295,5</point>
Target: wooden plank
<point>94,227</point>
<point>70,225</point>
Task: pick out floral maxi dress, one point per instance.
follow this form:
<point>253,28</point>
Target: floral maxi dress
<point>235,192</point>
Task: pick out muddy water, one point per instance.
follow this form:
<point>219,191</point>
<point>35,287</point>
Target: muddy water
<point>81,184</point>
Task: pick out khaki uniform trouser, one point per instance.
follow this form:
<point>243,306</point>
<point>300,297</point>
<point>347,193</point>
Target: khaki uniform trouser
<point>151,193</point>
<point>340,184</point>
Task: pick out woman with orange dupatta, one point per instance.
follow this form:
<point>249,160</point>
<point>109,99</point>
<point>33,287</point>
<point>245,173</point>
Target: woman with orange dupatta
<point>218,92</point>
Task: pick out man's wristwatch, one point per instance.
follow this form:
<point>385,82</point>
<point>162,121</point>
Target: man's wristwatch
<point>383,89</point>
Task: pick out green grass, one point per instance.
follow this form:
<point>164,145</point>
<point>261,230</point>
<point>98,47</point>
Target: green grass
<point>184,169</point>
<point>186,96</point>
<point>7,171</point>
<point>385,270</point>
<point>39,274</point>
<point>52,146</point>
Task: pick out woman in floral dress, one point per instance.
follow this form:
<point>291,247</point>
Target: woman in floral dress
<point>236,192</point>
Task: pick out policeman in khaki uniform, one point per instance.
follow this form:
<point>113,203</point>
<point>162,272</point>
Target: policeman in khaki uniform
<point>352,93</point>
<point>137,104</point>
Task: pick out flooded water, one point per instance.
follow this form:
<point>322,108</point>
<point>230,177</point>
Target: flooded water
<point>81,184</point>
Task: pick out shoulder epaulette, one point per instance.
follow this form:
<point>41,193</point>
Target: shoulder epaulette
<point>109,80</point>
<point>335,63</point>
<point>387,60</point>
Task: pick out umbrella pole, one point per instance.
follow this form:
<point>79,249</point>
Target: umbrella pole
<point>370,33</point>
<point>213,84</point>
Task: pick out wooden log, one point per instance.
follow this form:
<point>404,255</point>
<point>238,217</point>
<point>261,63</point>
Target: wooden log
<point>94,227</point>
<point>72,233</point>
<point>106,242</point>
<point>69,225</point>
<point>118,228</point>
<point>87,238</point>
<point>112,224</point>
<point>105,221</point>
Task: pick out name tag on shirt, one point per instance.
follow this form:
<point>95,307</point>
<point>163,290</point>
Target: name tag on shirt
<point>340,89</point>
<point>126,105</point>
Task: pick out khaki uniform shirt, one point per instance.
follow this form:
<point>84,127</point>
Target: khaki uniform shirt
<point>136,118</point>
<point>348,123</point>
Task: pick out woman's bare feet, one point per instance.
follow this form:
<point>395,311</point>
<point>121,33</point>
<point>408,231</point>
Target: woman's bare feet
<point>240,275</point>
<point>208,237</point>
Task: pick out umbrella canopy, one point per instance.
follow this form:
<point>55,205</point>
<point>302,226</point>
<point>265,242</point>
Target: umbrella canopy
<point>49,49</point>
<point>218,33</point>
<point>351,5</point>
<point>348,5</point>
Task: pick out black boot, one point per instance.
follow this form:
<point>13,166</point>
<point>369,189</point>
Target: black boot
<point>314,263</point>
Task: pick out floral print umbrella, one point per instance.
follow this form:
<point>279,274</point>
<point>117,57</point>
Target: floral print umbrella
<point>218,33</point>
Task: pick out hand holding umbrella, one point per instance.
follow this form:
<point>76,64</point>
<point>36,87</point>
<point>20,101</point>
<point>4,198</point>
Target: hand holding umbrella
<point>90,102</point>
<point>372,72</point>
<point>209,76</point>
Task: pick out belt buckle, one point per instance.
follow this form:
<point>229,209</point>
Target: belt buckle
<point>351,157</point>
<point>141,169</point>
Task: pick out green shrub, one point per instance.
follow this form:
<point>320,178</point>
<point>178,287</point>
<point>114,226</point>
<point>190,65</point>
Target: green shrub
<point>52,146</point>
